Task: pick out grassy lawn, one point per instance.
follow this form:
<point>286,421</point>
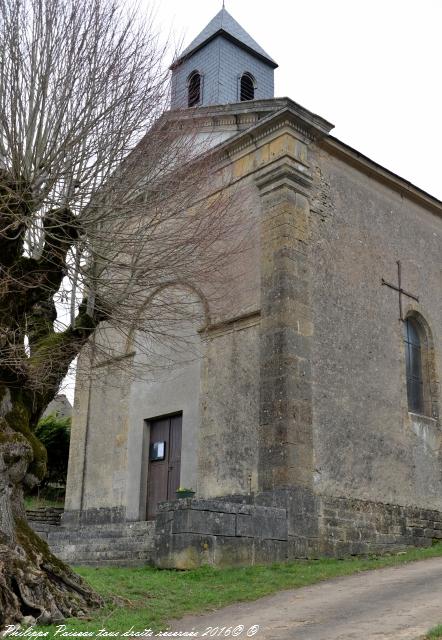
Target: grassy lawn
<point>435,633</point>
<point>148,598</point>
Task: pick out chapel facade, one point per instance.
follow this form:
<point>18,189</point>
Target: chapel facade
<point>310,423</point>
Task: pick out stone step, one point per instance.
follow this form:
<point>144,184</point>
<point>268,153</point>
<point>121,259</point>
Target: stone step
<point>98,545</point>
<point>97,533</point>
<point>77,556</point>
<point>123,562</point>
<point>104,540</point>
<point>140,525</point>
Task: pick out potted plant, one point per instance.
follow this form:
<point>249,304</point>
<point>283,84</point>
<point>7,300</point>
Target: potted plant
<point>182,492</point>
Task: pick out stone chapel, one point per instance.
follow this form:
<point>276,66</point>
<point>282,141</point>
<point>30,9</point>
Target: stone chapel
<point>310,424</point>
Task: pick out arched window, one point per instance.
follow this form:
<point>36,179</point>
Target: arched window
<point>194,89</point>
<point>420,367</point>
<point>247,87</point>
<point>414,366</point>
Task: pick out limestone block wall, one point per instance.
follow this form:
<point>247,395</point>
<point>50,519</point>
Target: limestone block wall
<point>98,454</point>
<point>284,525</point>
<point>354,527</point>
<point>366,443</point>
<point>228,437</point>
<point>229,395</point>
<point>191,533</point>
<point>117,544</point>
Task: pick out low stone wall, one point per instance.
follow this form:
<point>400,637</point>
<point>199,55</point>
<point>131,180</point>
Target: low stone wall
<point>190,533</point>
<point>360,527</point>
<point>246,530</point>
<point>45,515</point>
<point>122,544</point>
<point>284,525</point>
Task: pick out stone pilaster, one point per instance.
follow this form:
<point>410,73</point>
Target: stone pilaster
<point>285,430</point>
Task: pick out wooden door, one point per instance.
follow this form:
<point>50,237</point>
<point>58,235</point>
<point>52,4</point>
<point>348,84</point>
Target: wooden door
<point>164,462</point>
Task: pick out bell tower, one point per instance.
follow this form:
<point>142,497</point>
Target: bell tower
<point>222,65</point>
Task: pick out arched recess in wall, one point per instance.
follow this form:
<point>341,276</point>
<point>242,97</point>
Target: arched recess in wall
<point>178,306</point>
<point>420,366</point>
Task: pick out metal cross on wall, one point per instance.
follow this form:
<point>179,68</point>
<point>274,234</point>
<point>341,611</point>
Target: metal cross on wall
<point>399,289</point>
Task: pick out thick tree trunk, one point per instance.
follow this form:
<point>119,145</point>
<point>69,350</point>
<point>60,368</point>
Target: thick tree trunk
<point>33,582</point>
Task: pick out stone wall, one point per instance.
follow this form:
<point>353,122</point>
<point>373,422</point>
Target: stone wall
<point>367,445</point>
<point>353,527</point>
<point>119,544</point>
<point>284,525</point>
<point>239,530</point>
<point>45,515</point>
<point>190,533</point>
<point>98,456</point>
<point>228,452</point>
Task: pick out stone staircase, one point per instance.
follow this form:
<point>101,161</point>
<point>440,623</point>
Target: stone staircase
<point>119,544</point>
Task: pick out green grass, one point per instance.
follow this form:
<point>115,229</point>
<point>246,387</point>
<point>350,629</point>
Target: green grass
<point>435,633</point>
<point>33,502</point>
<point>150,597</point>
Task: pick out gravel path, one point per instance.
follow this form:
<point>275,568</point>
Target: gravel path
<point>399,603</point>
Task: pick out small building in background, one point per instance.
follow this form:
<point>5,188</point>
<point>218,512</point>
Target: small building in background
<point>60,407</point>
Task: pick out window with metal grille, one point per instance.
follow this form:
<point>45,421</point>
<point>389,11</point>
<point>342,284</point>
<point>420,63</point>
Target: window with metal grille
<point>247,87</point>
<point>414,365</point>
<point>194,89</point>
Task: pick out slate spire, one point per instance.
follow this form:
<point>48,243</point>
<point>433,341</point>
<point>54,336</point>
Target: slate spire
<point>225,25</point>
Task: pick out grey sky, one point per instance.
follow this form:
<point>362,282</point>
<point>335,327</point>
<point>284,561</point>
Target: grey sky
<point>373,68</point>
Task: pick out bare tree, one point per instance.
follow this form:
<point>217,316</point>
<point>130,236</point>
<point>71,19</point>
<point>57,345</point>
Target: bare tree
<point>97,220</point>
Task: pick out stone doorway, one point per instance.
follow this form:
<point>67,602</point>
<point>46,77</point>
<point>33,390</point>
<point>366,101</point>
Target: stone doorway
<point>163,477</point>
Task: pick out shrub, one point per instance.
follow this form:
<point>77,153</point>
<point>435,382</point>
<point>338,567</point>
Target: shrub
<point>54,433</point>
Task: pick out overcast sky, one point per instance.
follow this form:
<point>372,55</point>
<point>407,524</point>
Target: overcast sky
<point>371,67</point>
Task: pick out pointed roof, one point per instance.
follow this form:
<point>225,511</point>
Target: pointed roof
<point>223,24</point>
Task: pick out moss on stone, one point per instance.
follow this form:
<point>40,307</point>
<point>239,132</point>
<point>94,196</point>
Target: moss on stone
<point>17,419</point>
<point>32,544</point>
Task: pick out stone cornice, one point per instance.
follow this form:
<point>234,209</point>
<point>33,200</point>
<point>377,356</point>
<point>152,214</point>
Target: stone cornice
<point>247,113</point>
<point>371,168</point>
<point>284,173</point>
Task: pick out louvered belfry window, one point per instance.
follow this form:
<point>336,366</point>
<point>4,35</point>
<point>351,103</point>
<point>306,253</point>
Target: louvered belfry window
<point>247,87</point>
<point>194,89</point>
